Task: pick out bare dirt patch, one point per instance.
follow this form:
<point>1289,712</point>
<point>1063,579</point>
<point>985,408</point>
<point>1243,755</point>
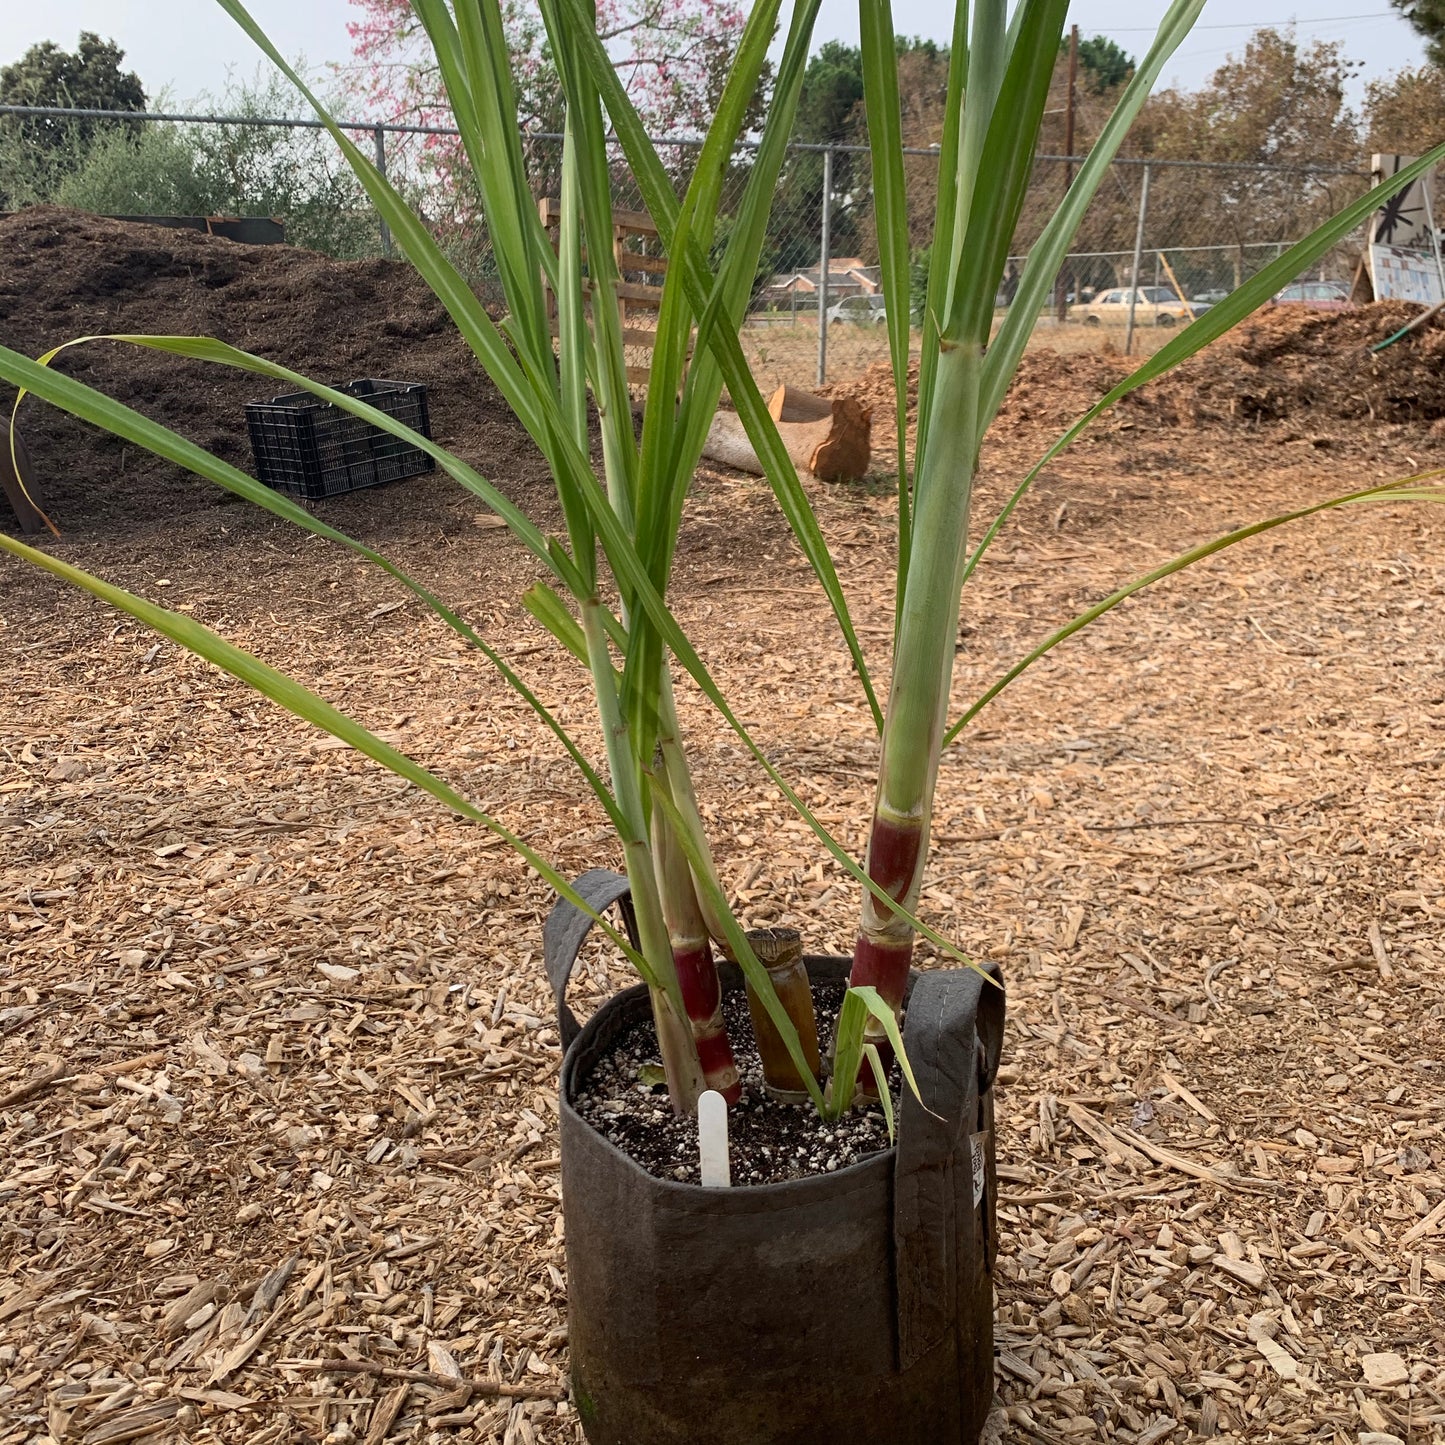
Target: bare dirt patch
<point>277,1063</point>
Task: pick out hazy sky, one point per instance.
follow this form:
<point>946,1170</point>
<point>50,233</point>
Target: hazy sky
<point>187,46</point>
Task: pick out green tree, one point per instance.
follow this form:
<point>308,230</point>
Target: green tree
<point>829,113</point>
<point>1428,17</point>
<point>88,78</point>
<point>1103,64</point>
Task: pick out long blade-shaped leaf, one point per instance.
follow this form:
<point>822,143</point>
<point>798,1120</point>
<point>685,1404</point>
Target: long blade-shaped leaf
<point>880,1084</point>
<point>527,383</point>
<point>663,205</point>
<point>417,243</point>
<point>306,705</point>
<point>1214,323</point>
<point>1004,168</point>
<point>93,406</point>
<point>890,211</point>
<point>1387,492</point>
<point>1042,266</point>
<point>847,1055</point>
<point>940,257</point>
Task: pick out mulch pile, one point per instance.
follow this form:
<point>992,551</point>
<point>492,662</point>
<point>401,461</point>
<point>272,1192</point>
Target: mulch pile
<point>1286,364</point>
<point>64,274</point>
<point>1290,362</point>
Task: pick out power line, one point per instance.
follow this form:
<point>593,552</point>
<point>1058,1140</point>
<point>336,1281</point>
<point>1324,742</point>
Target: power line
<point>1260,24</point>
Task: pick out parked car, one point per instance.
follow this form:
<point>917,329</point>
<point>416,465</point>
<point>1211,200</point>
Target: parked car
<point>1317,295</point>
<point>1209,298</point>
<point>860,310</point>
<point>1154,306</point>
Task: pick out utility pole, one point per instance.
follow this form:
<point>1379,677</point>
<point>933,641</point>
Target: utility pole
<point>1061,286</point>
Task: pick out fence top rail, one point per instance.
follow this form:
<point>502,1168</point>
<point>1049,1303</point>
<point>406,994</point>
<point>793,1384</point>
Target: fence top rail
<point>687,142</point>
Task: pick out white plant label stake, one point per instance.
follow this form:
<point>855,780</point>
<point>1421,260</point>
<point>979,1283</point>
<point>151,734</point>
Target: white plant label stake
<point>712,1139</point>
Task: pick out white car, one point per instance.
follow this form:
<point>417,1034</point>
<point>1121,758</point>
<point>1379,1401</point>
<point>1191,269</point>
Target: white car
<point>860,310</point>
<point>1154,306</point>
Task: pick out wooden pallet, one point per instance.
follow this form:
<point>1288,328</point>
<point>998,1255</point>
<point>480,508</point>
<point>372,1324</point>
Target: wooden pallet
<point>633,234</point>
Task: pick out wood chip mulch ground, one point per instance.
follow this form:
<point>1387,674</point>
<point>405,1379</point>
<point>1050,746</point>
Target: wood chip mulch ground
<point>278,1149</point>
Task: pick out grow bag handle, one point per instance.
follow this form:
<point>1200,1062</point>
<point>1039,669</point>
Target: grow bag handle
<point>567,926</point>
<point>942,1204</point>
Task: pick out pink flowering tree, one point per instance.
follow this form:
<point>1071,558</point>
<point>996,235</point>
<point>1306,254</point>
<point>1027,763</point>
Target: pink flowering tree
<point>672,54</point>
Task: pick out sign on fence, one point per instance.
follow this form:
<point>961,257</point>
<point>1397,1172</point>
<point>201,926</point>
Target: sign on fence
<point>1404,246</point>
<point>1400,275</point>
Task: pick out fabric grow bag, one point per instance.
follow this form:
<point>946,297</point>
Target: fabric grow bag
<point>853,1306</point>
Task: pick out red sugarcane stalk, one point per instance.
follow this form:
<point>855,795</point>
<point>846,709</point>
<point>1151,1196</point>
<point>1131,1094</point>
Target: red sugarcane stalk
<point>692,954</point>
<point>883,950</point>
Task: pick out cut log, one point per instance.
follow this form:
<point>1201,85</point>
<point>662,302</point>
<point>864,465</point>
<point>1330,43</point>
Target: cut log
<point>792,403</point>
<point>834,447</point>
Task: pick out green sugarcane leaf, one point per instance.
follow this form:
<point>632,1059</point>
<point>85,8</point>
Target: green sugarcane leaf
<point>890,211</point>
<point>594,198</point>
<point>762,432</point>
<point>874,1002</point>
<point>418,245</point>
<point>1215,322</point>
<point>549,609</point>
<point>940,256</point>
<point>673,436</point>
<point>880,1079</point>
<point>485,64</point>
<point>1041,267</point>
<point>94,406</point>
<point>732,291</point>
<point>1005,165</point>
<point>577,354</point>
<point>305,704</point>
<point>1387,492</point>
<point>987,59</point>
<point>524,387</point>
<point>847,1055</point>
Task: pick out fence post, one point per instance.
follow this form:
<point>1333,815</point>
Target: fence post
<point>823,263</point>
<point>1138,261</point>
<point>378,137</point>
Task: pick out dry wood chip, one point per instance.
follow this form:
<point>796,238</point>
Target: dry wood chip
<point>131,1424</point>
<point>384,1413</point>
<point>1385,1369</point>
<point>1280,1360</point>
<point>1244,1270</point>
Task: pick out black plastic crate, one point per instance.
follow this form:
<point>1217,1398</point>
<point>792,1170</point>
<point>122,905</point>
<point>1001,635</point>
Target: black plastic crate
<point>313,449</point>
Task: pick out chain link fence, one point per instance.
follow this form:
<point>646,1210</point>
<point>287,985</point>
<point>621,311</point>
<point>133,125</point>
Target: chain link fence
<point>1160,238</point>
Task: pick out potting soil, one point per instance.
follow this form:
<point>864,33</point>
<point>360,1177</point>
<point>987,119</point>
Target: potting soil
<point>768,1141</point>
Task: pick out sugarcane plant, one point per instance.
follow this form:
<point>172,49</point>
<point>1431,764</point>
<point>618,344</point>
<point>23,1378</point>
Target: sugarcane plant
<point>605,600</point>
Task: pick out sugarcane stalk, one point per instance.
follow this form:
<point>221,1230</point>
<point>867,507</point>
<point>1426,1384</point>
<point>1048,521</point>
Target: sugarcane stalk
<point>674,1033</point>
<point>922,676</point>
<point>692,957</point>
<point>780,951</point>
<point>684,797</point>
